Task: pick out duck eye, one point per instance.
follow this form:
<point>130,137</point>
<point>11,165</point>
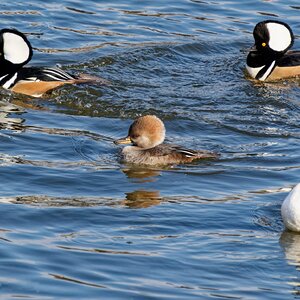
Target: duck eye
<point>264,44</point>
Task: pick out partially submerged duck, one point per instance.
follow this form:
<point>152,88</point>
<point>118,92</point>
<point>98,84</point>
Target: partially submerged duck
<point>15,52</point>
<point>269,59</point>
<point>290,209</point>
<point>147,134</point>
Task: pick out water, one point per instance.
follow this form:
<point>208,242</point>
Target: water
<point>77,224</point>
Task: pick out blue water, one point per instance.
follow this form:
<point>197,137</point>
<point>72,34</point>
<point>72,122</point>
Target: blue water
<point>77,224</point>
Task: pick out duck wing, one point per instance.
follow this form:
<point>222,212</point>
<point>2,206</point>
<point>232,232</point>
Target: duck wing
<point>44,74</point>
<point>290,59</point>
<point>180,152</point>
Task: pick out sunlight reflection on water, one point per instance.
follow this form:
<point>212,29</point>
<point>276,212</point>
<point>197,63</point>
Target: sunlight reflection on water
<point>76,223</point>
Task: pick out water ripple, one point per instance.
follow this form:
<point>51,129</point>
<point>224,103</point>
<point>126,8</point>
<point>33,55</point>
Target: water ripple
<point>77,223</point>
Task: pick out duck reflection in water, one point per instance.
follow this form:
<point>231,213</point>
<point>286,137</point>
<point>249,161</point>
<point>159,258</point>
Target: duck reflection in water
<point>16,106</point>
<point>290,243</point>
<point>142,199</point>
<point>142,175</point>
<point>7,121</point>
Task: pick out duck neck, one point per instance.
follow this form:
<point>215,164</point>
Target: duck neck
<point>7,68</point>
<point>256,59</point>
<point>263,62</point>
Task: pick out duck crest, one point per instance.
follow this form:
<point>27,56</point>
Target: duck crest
<point>281,37</point>
<point>15,52</point>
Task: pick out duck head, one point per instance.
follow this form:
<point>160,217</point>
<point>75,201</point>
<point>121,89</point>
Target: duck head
<point>145,132</point>
<point>15,51</point>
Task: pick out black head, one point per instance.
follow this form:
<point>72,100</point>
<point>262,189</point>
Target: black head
<point>273,36</point>
<point>15,51</point>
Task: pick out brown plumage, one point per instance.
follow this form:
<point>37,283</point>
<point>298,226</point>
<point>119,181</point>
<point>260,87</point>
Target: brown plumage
<point>38,88</point>
<point>146,135</point>
<point>287,71</point>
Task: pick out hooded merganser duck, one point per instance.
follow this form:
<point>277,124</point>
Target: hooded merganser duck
<point>146,134</point>
<point>269,59</point>
<point>290,209</point>
<point>15,52</point>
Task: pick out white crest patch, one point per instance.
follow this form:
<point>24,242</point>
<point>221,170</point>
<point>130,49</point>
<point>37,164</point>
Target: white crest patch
<point>15,49</point>
<point>280,36</point>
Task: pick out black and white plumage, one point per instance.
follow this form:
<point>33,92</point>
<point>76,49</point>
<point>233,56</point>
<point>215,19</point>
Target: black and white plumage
<point>270,58</point>
<point>15,52</point>
<point>44,74</point>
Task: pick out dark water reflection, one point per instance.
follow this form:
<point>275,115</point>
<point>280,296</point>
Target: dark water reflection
<point>75,223</point>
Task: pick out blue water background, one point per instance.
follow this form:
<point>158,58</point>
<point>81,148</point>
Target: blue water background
<point>77,224</point>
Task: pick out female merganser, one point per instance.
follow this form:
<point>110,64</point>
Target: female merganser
<point>146,134</point>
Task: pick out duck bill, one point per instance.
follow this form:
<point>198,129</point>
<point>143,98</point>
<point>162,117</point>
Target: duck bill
<point>253,48</point>
<point>123,141</point>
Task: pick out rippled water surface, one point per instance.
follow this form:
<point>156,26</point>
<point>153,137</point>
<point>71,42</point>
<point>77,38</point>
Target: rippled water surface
<point>77,224</point>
